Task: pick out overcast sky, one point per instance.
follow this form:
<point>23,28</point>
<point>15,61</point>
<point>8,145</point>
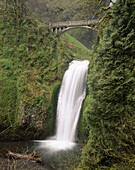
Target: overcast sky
<point>111,3</point>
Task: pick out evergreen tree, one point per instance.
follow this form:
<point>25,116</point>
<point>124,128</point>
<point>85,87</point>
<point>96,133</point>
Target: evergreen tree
<point>110,110</point>
<point>92,8</point>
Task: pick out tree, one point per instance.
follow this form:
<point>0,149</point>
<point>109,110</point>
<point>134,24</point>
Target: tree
<point>110,107</point>
<point>15,8</point>
<point>92,8</point>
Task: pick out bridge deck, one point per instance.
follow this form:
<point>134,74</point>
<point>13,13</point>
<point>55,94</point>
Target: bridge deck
<point>74,23</point>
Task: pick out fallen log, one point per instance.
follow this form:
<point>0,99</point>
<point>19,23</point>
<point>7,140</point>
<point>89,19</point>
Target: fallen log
<point>31,156</point>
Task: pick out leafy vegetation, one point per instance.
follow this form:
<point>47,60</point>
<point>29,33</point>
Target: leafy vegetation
<point>109,107</point>
<point>32,63</point>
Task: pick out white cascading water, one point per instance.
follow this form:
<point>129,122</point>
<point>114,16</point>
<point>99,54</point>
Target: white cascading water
<point>71,96</point>
<point>72,93</point>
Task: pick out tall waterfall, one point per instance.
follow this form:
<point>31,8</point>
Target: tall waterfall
<point>71,96</point>
<point>72,93</point>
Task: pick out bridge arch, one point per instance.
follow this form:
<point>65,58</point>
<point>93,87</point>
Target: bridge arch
<point>58,33</point>
<point>61,27</point>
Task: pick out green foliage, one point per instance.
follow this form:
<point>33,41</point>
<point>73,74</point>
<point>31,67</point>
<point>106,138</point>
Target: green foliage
<point>94,7</point>
<point>110,105</point>
<point>32,63</point>
<point>83,35</point>
<point>8,105</point>
<point>80,50</point>
<point>57,10</point>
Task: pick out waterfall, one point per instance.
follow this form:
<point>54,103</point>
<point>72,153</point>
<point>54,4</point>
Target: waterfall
<point>71,96</point>
<point>72,93</point>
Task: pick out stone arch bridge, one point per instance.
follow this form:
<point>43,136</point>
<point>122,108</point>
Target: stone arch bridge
<point>60,27</point>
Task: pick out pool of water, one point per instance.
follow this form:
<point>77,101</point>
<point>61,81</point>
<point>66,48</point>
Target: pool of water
<point>52,160</point>
<point>18,147</point>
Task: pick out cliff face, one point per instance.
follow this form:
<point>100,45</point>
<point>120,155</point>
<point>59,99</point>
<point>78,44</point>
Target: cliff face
<point>32,63</point>
<point>62,10</point>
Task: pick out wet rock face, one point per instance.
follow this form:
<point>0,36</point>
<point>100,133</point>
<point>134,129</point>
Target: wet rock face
<point>33,122</point>
<point>30,125</point>
<point>30,117</point>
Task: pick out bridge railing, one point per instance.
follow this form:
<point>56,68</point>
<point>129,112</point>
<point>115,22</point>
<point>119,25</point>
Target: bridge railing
<point>74,23</point>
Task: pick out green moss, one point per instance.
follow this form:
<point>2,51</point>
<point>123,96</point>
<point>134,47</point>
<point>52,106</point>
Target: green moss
<point>32,64</point>
<point>110,106</point>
